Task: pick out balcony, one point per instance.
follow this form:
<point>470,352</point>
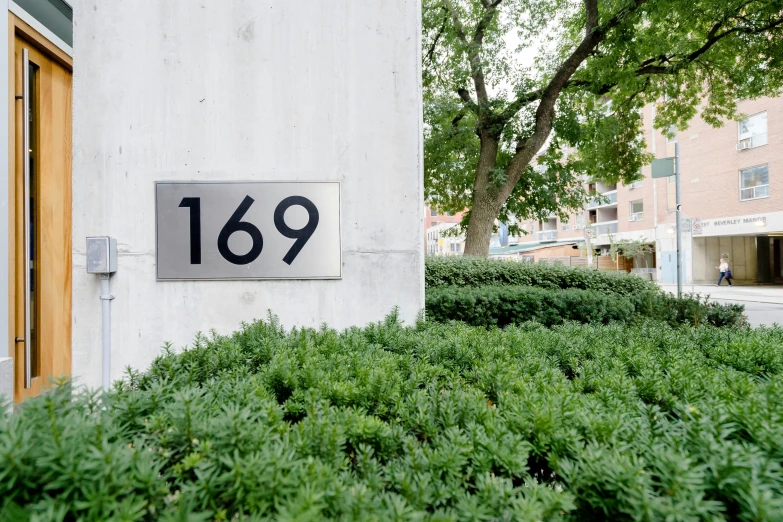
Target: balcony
<point>607,199</point>
<point>605,227</point>
<point>546,236</point>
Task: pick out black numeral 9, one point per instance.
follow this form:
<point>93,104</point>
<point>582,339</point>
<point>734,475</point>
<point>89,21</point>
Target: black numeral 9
<point>303,234</point>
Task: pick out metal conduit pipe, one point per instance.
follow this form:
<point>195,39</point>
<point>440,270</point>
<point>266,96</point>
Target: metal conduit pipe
<point>102,260</point>
<point>106,299</point>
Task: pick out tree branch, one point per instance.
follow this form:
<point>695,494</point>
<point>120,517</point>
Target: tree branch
<point>591,16</point>
<point>474,45</point>
<point>442,29</point>
<point>522,100</point>
<point>638,92</point>
<point>457,24</point>
<point>715,38</point>
<point>591,21</point>
<point>528,146</point>
<point>474,54</point>
<point>469,103</point>
<point>653,66</point>
<point>660,65</point>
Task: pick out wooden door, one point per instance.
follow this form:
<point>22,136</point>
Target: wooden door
<point>41,243</point>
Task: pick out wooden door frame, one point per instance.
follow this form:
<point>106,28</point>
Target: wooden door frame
<point>19,28</point>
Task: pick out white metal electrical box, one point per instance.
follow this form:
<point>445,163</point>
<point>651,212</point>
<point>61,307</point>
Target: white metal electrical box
<point>101,255</point>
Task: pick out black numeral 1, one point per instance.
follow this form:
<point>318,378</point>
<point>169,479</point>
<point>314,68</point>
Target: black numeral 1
<point>303,234</point>
<point>195,228</point>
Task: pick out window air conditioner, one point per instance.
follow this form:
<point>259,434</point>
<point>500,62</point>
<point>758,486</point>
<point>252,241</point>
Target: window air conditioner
<point>745,144</point>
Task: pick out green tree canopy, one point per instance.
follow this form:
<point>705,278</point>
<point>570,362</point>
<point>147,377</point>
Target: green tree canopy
<point>503,137</point>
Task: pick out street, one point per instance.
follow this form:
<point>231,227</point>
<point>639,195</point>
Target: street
<point>763,304</point>
<point>761,313</point>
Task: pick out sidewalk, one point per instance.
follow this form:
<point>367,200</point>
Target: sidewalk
<point>750,293</point>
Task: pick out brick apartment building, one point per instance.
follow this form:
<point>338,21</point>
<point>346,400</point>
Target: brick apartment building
<point>731,187</point>
<point>436,240</point>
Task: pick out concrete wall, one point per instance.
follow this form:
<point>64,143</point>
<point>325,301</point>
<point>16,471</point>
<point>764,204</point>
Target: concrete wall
<point>241,90</point>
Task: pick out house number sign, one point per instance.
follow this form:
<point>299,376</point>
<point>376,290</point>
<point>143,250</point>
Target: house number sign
<point>247,230</point>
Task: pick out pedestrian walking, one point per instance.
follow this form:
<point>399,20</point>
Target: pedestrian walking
<point>725,273</point>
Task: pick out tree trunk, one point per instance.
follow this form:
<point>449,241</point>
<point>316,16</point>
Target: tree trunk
<point>484,208</point>
<point>482,220</point>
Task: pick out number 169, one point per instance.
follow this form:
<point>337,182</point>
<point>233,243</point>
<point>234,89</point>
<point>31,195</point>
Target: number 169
<point>235,224</point>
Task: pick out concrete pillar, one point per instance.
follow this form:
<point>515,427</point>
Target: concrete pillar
<point>6,382</point>
<point>763,272</point>
<point>262,90</point>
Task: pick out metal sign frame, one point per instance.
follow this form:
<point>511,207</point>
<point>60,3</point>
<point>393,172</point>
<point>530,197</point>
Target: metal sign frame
<point>259,182</point>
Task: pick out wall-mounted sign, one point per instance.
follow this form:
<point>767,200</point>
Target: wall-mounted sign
<point>745,220</point>
<point>696,227</point>
<point>748,225</point>
<point>247,230</point>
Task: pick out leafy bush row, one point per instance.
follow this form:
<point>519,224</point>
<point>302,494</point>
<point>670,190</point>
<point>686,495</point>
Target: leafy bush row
<point>690,309</point>
<point>468,271</point>
<point>504,305</point>
<point>432,422</point>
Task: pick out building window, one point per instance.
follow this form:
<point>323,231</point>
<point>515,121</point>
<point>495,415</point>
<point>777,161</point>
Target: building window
<point>565,225</point>
<point>636,184</point>
<point>752,131</point>
<point>580,221</point>
<point>433,212</point>
<point>754,183</point>
<point>637,210</point>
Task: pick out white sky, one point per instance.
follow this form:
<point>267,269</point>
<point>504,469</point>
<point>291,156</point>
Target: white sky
<point>524,57</point>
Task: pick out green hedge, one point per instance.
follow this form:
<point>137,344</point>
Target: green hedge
<point>468,271</point>
<point>434,422</point>
<point>504,305</point>
<point>690,309</point>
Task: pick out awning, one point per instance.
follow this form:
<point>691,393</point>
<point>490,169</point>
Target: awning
<point>527,247</point>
